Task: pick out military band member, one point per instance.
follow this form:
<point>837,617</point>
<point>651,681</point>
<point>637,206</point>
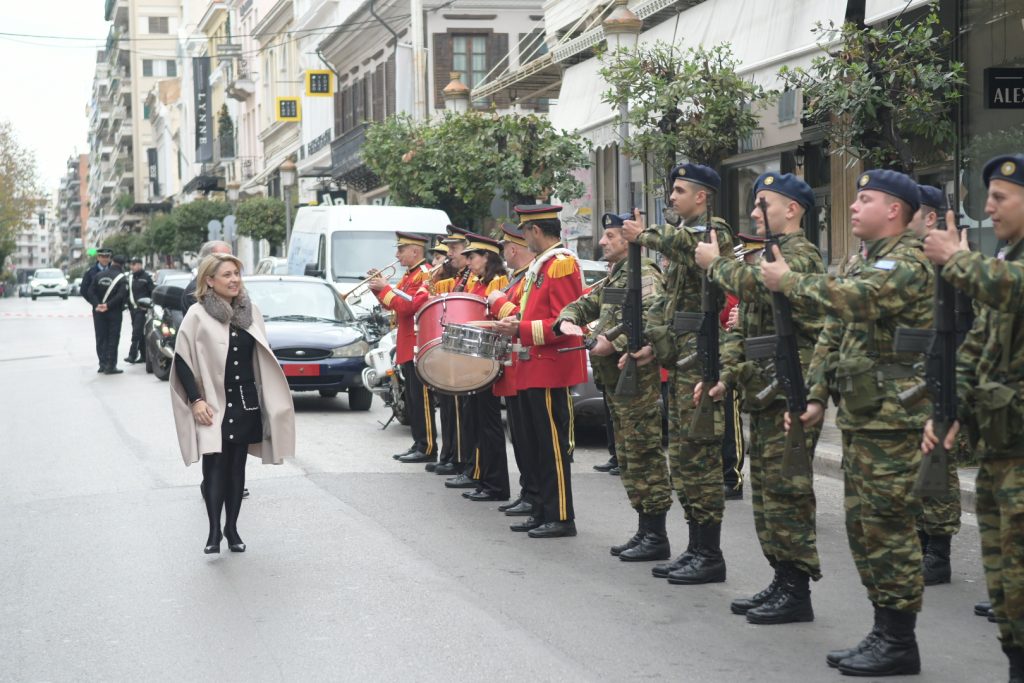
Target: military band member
<point>888,286</point>
<point>636,419</point>
<point>544,376</point>
<point>448,455</point>
<point>695,462</point>
<point>990,382</point>
<point>405,299</point>
<point>784,507</point>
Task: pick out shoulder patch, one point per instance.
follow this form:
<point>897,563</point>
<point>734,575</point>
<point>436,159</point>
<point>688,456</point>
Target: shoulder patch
<point>884,264</point>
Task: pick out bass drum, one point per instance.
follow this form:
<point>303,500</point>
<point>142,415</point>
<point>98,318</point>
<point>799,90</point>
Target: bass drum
<point>443,370</point>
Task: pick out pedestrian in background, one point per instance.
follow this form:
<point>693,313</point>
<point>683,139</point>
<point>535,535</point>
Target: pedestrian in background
<point>140,286</point>
<point>223,409</point>
<point>109,291</point>
<point>188,297</point>
<point>85,289</point>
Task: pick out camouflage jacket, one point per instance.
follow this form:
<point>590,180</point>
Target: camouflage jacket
<point>888,287</point>
<point>682,286</point>
<point>757,315</point>
<point>994,348</point>
<point>589,308</point>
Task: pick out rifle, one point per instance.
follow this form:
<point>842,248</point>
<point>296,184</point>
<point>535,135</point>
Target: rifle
<point>789,375</point>
<point>631,301</point>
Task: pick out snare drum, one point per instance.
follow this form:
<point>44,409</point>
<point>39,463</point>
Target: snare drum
<point>442,369</point>
<point>475,341</point>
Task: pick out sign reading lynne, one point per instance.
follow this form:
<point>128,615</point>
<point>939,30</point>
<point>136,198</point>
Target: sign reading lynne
<point>1004,88</point>
<point>204,127</point>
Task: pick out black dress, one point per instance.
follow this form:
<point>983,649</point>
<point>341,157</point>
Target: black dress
<point>243,421</point>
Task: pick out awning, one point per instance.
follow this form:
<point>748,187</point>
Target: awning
<point>260,179</point>
<point>880,10</point>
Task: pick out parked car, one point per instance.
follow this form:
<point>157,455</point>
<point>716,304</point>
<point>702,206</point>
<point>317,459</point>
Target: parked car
<point>272,265</point>
<point>76,287</point>
<point>314,334</point>
<point>162,274</point>
<point>162,321</point>
<point>593,272</point>
<point>49,282</point>
<point>25,289</point>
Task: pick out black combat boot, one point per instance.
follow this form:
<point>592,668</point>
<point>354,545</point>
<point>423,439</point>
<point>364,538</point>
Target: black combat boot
<point>791,602</point>
<point>708,565</point>
<point>893,653</point>
<point>1016,657</point>
<point>661,571</point>
<point>654,545</point>
<point>835,656</point>
<point>634,541</point>
<point>936,561</point>
<point>744,605</point>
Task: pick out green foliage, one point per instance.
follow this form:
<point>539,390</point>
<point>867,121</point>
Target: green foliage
<point>458,161</point>
<point>886,92</point>
<point>19,187</point>
<point>992,143</point>
<point>161,235</point>
<point>126,244</point>
<point>262,218</point>
<point>77,271</point>
<point>191,220</point>
<point>686,103</point>
<point>124,201</point>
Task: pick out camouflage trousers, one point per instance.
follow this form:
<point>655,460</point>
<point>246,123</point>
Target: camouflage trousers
<point>1000,508</point>
<point>941,516</point>
<point>784,507</point>
<point>637,427</point>
<point>695,464</point>
<point>879,470</point>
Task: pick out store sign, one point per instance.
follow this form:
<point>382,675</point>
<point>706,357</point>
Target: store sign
<point>204,127</point>
<point>154,172</point>
<point>1004,88</point>
<point>318,84</point>
<point>288,109</point>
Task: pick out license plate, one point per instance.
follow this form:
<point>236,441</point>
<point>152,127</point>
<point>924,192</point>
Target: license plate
<point>301,370</point>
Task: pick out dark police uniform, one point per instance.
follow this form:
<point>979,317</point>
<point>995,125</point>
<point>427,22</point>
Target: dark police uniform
<point>85,289</point>
<point>140,286</point>
<point>111,288</point>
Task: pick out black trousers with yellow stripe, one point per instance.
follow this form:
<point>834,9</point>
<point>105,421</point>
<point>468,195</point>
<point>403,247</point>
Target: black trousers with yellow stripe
<point>528,486</point>
<point>548,425</point>
<point>449,429</point>
<point>421,411</point>
<point>490,466</point>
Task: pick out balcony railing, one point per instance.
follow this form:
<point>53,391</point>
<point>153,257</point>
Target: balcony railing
<point>346,150</point>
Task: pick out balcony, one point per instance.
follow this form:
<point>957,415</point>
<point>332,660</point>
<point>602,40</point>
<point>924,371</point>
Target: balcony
<point>242,88</point>
<point>347,159</point>
<point>223,149</point>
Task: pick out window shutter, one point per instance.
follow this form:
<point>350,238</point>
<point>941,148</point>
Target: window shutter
<point>368,112</point>
<point>339,126</point>
<point>497,47</point>
<point>346,110</point>
<point>389,84</point>
<point>378,93</point>
<point>358,92</point>
<point>442,66</point>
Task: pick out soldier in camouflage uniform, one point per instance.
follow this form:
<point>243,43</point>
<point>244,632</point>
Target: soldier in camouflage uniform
<point>888,286</point>
<point>784,507</point>
<point>636,419</point>
<point>695,463</point>
<point>990,391</point>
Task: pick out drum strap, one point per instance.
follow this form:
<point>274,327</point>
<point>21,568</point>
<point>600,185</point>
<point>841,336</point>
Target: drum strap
<point>515,280</point>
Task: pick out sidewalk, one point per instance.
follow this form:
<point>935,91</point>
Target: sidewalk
<point>828,458</point>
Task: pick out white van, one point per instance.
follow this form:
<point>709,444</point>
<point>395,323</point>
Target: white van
<point>341,243</point>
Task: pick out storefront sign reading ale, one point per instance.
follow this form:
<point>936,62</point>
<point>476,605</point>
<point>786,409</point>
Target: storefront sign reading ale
<point>1004,88</point>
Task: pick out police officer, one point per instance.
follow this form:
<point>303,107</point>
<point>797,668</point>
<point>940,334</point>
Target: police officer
<point>990,377</point>
<point>109,291</point>
<point>140,286</point>
<point>85,289</point>
<point>636,419</point>
<point>889,285</point>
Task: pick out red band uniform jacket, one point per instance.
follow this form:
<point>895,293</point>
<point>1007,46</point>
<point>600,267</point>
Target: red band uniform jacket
<point>405,298</point>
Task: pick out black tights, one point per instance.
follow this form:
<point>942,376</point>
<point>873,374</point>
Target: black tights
<point>224,477</point>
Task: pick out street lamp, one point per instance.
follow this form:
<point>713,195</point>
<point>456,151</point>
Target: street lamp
<point>456,94</point>
<point>622,31</point>
<point>287,173</point>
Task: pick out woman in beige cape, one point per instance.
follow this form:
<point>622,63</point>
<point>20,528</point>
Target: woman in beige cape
<point>229,394</point>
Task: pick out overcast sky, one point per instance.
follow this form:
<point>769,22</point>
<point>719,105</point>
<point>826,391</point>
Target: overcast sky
<point>46,83</point>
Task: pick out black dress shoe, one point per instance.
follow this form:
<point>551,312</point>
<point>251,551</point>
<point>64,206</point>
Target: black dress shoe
<point>734,492</point>
<point>460,482</point>
<point>411,449</point>
<point>101,369</point>
<point>982,608</point>
<point>416,456</point>
<point>482,496</point>
<point>554,530</point>
<point>131,361</point>
<point>213,544</point>
<point>523,508</point>
<point>446,468</point>
<point>245,493</point>
<point>431,466</point>
<point>528,524</point>
<point>604,467</point>
<point>113,371</point>
<point>509,506</point>
<point>235,543</point>
<point>615,471</point>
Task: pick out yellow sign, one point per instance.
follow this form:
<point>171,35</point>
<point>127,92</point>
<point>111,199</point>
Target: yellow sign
<point>288,109</point>
<point>319,83</point>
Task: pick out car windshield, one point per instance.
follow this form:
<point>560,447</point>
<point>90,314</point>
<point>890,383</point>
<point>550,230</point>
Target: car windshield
<point>301,301</point>
<point>48,274</point>
<point>355,252</point>
<point>177,280</point>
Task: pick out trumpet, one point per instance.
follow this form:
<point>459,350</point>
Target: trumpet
<point>373,273</point>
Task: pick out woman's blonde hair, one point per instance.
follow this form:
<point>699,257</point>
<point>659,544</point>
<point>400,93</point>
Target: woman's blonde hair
<point>208,268</point>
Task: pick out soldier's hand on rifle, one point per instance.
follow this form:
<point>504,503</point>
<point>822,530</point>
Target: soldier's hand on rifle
<point>708,251</point>
<point>507,326</point>
<point>814,414</point>
<point>644,356</point>
<point>572,329</point>
<point>772,271</point>
<point>631,229</point>
<point>929,440</point>
<point>717,392</point>
<point>940,245</point>
<point>602,347</point>
<point>734,318</point>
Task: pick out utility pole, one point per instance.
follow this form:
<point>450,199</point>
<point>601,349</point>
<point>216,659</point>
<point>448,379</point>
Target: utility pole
<point>419,61</point>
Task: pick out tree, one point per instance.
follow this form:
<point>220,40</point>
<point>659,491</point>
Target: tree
<point>262,218</point>
<point>458,162</point>
<point>19,187</point>
<point>126,244</point>
<point>682,103</point>
<point>161,235</point>
<point>191,222</point>
<point>887,93</point>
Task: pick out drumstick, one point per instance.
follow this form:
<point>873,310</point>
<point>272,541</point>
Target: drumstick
<point>482,323</point>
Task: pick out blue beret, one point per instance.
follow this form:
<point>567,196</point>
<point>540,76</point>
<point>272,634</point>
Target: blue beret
<point>1009,167</point>
<point>933,197</point>
<point>788,185</point>
<point>893,183</point>
<point>615,220</point>
<point>696,173</point>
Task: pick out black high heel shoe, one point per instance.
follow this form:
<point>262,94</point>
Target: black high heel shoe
<point>212,548</point>
<point>235,543</point>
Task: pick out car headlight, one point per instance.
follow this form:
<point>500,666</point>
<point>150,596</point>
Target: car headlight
<point>354,350</point>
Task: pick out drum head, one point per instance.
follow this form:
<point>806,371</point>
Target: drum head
<point>453,373</point>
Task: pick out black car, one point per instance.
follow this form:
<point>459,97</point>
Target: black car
<point>162,320</point>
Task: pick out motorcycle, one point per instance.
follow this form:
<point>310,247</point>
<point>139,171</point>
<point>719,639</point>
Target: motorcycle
<point>382,375</point>
<point>161,329</point>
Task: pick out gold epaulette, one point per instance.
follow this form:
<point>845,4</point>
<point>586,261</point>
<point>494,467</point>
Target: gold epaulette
<point>561,266</point>
<point>500,282</point>
<point>444,286</point>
